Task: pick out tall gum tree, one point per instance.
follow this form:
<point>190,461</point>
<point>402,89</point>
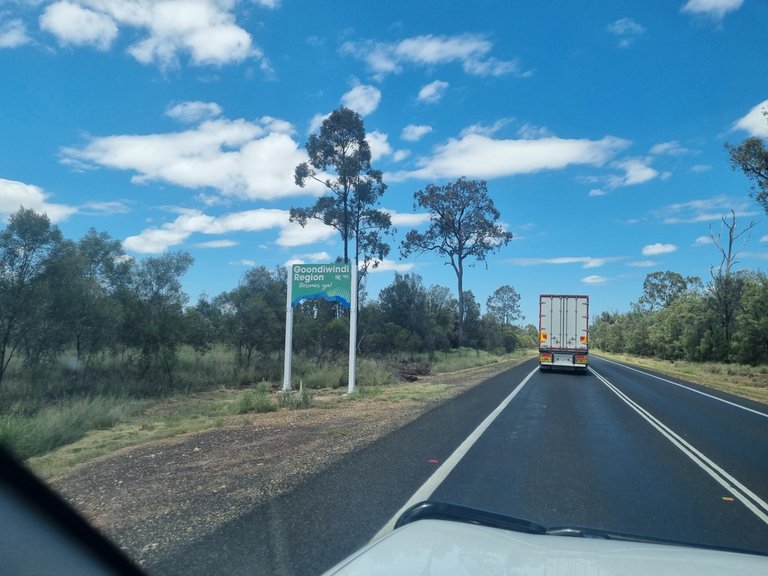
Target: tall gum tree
<point>751,158</point>
<point>340,159</point>
<point>463,225</point>
<point>27,245</point>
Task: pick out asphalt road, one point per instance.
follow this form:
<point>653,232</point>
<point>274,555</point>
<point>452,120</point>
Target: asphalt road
<point>614,449</point>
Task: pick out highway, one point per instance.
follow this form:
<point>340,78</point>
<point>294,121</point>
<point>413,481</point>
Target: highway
<point>615,448</point>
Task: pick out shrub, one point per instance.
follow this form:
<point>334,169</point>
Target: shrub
<point>257,400</point>
<point>295,399</point>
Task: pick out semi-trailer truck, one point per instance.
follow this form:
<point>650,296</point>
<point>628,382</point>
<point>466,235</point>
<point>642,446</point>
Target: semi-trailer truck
<point>563,331</point>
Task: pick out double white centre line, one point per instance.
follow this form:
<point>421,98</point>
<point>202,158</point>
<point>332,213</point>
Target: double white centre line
<point>743,494</point>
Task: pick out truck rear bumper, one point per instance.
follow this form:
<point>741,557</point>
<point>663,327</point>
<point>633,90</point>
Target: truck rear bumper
<point>561,359</point>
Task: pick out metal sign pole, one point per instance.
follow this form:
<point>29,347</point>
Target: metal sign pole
<point>352,330</point>
<point>288,333</point>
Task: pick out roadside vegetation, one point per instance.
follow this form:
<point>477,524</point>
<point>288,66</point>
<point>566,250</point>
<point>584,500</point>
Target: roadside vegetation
<point>62,435</point>
<point>738,379</point>
<point>93,339</point>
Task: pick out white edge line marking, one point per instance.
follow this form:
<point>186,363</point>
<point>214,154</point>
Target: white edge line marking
<point>426,489</point>
<point>763,414</point>
<point>741,492</point>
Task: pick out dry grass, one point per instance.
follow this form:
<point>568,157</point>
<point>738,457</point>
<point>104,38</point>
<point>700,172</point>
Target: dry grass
<point>745,381</point>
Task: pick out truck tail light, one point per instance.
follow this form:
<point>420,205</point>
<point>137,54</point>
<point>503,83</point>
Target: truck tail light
<point>580,359</point>
<point>545,357</point>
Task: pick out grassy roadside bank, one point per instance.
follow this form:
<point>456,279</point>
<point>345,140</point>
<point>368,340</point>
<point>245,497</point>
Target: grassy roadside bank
<point>116,423</point>
<point>738,379</point>
<point>158,420</point>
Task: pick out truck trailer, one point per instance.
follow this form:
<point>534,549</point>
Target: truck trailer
<point>563,331</point>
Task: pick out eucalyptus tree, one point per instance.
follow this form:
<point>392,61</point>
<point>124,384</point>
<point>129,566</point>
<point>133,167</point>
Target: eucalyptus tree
<point>154,314</point>
<point>463,225</point>
<point>340,159</point>
<point>27,246</point>
<point>255,313</point>
<point>504,305</point>
<point>727,284</point>
<point>751,157</point>
<point>660,289</point>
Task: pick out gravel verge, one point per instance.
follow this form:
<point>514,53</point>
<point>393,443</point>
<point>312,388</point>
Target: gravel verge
<point>154,498</point>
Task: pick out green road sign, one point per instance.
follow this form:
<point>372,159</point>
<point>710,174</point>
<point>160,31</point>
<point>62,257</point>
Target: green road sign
<point>328,281</point>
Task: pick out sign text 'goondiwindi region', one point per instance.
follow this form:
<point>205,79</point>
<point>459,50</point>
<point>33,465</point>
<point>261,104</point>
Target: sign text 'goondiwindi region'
<point>331,282</point>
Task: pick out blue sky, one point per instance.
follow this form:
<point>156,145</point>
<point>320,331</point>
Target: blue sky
<point>599,127</point>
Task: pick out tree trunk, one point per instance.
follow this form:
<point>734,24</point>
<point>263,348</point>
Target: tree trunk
<point>460,278</point>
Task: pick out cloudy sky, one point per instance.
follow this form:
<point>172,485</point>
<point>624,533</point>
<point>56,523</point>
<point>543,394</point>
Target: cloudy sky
<point>177,125</point>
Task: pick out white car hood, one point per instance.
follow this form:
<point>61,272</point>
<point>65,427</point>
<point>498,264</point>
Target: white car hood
<point>447,548</point>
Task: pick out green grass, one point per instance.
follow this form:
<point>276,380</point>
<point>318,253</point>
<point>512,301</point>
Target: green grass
<point>739,379</point>
<point>32,434</point>
<point>55,436</point>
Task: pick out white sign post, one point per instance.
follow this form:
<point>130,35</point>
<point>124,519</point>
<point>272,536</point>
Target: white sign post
<point>288,336</point>
<point>352,332</point>
<point>334,282</point>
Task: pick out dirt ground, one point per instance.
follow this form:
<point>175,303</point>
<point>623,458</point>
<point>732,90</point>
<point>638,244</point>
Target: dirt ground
<point>152,498</point>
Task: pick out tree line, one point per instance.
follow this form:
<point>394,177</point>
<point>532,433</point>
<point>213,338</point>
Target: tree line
<point>682,318</point>
<point>724,319</point>
<point>87,303</point>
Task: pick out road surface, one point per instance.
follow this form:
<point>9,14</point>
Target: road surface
<point>615,448</point>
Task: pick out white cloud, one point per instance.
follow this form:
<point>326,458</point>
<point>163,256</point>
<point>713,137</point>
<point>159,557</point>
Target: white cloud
<point>400,155</point>
<point>98,207</point>
<point>594,279</point>
<point>415,132</point>
<point>702,241</point>
<point>319,257</point>
<point>658,249</point>
<point>74,24</point>
<point>387,265</point>
<point>362,99</point>
<point>14,195</point>
<point>194,112</point>
<point>705,210</point>
<point>217,244</point>
<point>13,33</point>
<point>407,219</point>
<point>626,30</point>
<point>597,192</point>
<point>755,123</point>
<point>530,131</point>
<point>294,235</point>
<point>642,263</point>
<point>636,171</point>
<point>479,156</point>
<point>585,261</point>
<point>764,239</point>
<point>253,160</point>
<point>491,129</point>
<point>204,30</point>
<point>469,50</point>
<point>379,144</point>
<point>316,123</point>
<point>189,222</point>
<point>433,92</point>
<point>716,9</point>
<point>244,262</point>
<point>671,148</point>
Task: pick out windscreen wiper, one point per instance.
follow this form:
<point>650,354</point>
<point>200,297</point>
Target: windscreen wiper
<point>433,510</point>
